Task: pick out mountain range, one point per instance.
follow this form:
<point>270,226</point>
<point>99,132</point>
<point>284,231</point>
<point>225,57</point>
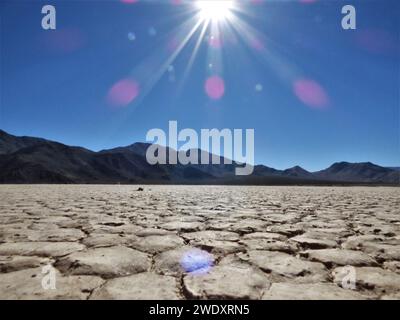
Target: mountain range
<point>37,160</point>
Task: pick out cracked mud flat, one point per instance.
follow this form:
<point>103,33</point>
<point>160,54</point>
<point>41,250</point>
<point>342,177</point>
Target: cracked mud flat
<point>199,242</point>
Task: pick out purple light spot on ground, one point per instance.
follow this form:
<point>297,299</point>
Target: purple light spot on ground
<point>123,92</point>
<point>215,87</point>
<point>197,261</point>
<point>311,93</point>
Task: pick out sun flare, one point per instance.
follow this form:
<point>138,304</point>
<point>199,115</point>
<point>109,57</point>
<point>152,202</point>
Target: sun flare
<point>215,10</point>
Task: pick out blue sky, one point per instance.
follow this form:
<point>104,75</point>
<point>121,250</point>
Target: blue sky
<point>314,93</point>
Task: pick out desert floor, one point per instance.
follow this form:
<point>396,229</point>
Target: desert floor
<point>199,242</point>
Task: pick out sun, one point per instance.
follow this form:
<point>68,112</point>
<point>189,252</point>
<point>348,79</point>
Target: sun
<point>215,10</point>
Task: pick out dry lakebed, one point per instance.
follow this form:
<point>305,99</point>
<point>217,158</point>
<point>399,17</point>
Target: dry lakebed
<point>199,242</point>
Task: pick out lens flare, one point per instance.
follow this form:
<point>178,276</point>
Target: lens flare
<point>129,1</point>
<point>215,87</point>
<point>311,93</point>
<point>197,261</point>
<point>64,41</point>
<point>215,42</point>
<point>123,92</point>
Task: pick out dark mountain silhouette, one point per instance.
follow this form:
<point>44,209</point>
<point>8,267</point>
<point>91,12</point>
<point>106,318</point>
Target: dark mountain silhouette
<point>35,160</point>
<point>359,172</point>
<point>298,172</point>
<point>261,171</point>
<point>10,143</point>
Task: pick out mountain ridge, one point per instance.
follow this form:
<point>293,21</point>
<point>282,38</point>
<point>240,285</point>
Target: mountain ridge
<point>37,160</point>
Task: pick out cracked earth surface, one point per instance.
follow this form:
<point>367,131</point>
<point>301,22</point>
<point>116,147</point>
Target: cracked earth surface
<point>116,242</point>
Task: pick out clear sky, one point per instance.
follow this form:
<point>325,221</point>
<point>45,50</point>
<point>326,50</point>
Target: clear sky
<point>112,70</point>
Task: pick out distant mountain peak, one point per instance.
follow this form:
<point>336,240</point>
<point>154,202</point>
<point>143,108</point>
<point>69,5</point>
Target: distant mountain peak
<point>297,168</point>
<point>358,172</point>
<point>297,171</point>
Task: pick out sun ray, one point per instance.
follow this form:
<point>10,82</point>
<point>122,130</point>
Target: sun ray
<point>161,68</point>
<point>193,56</point>
<point>156,66</point>
<point>216,19</point>
<point>266,50</point>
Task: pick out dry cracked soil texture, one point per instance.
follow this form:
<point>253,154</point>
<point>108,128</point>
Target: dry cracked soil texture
<point>199,242</point>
